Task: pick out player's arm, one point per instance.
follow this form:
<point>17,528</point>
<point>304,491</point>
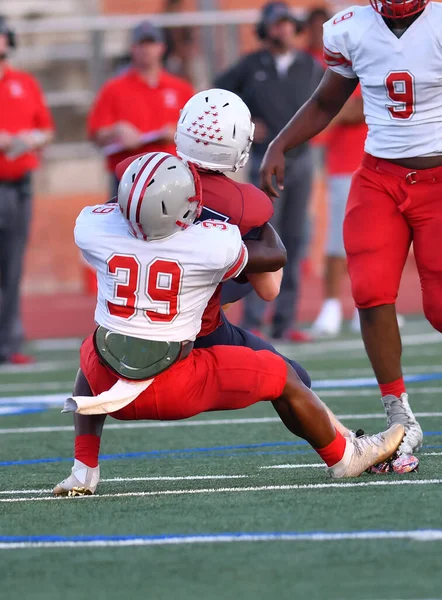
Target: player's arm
<point>267,256</point>
<point>314,116</point>
<point>266,285</point>
<point>229,244</point>
<point>267,253</point>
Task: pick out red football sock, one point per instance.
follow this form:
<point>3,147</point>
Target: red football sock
<point>395,388</point>
<point>87,448</point>
<point>333,453</point>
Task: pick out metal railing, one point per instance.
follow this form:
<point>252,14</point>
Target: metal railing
<point>94,41</point>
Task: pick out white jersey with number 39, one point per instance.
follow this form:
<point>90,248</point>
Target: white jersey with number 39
<point>156,290</point>
<point>401,77</point>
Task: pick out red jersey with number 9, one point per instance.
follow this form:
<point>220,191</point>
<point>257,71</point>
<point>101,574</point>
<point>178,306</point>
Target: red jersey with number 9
<point>156,290</point>
<point>400,76</point>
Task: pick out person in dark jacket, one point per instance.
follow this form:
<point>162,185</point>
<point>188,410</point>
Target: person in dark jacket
<point>274,82</point>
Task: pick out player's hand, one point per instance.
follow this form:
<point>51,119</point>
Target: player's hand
<point>25,141</point>
<point>5,141</point>
<point>128,135</point>
<point>273,163</point>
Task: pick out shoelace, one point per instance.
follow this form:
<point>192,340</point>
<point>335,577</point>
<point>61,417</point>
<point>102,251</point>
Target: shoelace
<point>397,413</point>
<point>361,442</point>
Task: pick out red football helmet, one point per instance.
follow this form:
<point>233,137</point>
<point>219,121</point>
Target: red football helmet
<point>398,9</point>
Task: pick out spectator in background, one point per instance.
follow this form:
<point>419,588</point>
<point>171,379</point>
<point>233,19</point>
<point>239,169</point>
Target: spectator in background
<point>313,28</point>
<point>138,110</point>
<point>312,34</point>
<point>345,147</point>
<point>274,82</point>
<point>315,20</point>
<point>25,127</point>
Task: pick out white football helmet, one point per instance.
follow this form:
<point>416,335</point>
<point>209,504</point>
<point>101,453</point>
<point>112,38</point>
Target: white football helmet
<point>215,131</point>
<point>159,195</point>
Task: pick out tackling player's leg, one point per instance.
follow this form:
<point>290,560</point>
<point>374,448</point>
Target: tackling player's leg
<point>228,334</point>
<point>230,378</point>
<point>85,473</point>
<point>305,415</point>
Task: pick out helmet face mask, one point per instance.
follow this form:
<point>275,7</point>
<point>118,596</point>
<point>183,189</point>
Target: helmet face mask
<point>159,195</point>
<point>398,9</point>
<point>215,131</point>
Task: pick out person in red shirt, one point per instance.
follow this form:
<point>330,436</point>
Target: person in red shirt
<point>345,147</point>
<point>137,111</point>
<point>25,127</point>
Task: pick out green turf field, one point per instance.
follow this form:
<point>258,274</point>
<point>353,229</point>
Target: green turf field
<point>223,506</point>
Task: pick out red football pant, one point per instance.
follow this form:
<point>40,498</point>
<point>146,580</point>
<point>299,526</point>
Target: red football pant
<point>218,378</point>
<point>388,208</point>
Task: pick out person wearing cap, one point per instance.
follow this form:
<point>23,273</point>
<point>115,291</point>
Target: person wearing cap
<point>25,127</point>
<point>137,111</point>
<point>273,82</point>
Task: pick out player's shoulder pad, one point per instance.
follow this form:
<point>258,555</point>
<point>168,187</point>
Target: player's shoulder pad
<point>217,240</point>
<point>347,25</point>
<point>257,207</point>
<point>91,215</point>
<point>94,223</point>
<point>99,217</point>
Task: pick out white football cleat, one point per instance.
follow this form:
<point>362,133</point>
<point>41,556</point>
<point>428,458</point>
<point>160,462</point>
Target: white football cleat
<point>398,411</point>
<point>83,481</point>
<point>366,451</point>
<point>329,320</point>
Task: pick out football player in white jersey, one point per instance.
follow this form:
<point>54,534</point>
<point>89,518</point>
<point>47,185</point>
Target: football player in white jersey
<point>394,49</point>
<point>156,273</point>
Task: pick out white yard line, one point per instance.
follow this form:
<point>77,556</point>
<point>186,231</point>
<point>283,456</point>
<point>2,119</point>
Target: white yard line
<point>423,535</point>
<point>125,479</point>
<point>292,466</point>
<point>65,388</point>
<point>321,465</point>
<point>195,477</point>
<point>241,490</point>
<point>341,386</point>
<point>374,392</point>
<point>40,367</point>
<point>43,386</point>
<point>361,372</point>
<point>197,423</point>
<point>51,345</point>
<point>325,346</point>
<point>55,400</point>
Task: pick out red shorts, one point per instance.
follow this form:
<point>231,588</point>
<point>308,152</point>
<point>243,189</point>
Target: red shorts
<point>219,378</point>
<point>388,208</point>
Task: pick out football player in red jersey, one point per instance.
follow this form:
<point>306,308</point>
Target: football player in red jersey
<point>394,49</point>
<point>215,133</point>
